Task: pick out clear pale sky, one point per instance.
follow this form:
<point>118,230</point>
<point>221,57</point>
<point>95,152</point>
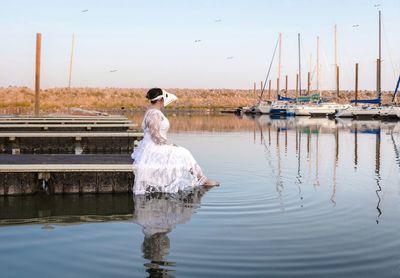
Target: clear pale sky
<point>152,42</point>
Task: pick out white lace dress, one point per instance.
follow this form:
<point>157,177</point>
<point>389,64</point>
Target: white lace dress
<point>160,166</point>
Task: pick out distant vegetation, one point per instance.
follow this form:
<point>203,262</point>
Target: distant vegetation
<point>21,99</point>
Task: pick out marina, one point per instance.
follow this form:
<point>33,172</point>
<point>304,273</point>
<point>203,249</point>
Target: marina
<point>204,139</point>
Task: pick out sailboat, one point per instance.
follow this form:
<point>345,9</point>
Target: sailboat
<point>285,106</point>
<point>314,107</point>
<point>372,108</point>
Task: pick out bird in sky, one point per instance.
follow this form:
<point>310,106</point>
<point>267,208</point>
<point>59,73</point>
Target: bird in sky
<point>377,5</point>
<point>217,20</point>
<point>356,25</point>
<point>197,41</point>
<point>230,58</point>
<point>84,11</point>
<point>113,70</point>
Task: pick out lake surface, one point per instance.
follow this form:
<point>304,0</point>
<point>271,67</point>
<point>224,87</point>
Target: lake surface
<point>298,198</point>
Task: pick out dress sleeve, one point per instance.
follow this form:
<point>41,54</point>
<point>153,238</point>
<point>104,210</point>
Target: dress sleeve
<point>153,123</point>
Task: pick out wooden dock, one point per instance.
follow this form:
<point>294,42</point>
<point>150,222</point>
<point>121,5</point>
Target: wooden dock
<point>57,159</point>
<point>58,174</point>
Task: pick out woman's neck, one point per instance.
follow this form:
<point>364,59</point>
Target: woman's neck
<point>155,106</point>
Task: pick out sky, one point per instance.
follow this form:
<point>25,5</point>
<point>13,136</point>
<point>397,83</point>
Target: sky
<point>148,43</point>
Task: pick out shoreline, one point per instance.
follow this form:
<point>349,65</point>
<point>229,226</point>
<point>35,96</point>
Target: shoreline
<point>20,100</point>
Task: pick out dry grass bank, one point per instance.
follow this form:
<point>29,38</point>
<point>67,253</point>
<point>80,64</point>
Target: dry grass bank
<point>20,99</point>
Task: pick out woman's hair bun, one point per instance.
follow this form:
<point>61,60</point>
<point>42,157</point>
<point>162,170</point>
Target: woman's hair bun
<point>153,93</point>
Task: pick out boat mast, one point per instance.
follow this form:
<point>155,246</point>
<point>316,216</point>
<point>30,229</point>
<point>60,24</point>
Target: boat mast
<point>298,40</point>
<point>378,85</point>
<point>317,64</point>
<point>336,62</point>
<point>279,64</point>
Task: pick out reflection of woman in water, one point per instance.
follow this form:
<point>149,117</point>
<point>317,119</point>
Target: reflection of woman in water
<point>158,214</point>
<point>159,165</point>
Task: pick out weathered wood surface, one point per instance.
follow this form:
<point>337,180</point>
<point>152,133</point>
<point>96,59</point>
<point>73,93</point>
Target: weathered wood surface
<point>72,142</point>
<point>59,174</point>
<point>66,127</point>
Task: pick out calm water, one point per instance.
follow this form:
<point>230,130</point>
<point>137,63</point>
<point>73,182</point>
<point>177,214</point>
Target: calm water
<point>299,198</point>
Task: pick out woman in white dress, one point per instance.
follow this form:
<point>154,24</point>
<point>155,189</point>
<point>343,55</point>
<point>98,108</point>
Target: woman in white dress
<point>158,164</point>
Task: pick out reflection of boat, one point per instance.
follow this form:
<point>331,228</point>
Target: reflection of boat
<point>158,214</point>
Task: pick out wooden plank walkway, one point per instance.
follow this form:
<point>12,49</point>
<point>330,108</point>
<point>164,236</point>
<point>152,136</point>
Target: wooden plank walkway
<point>69,134</point>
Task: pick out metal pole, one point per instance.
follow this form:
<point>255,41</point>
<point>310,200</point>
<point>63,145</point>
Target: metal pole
<point>70,63</point>
<point>254,89</point>
<point>279,62</point>
<point>298,40</point>
<point>380,57</point>
<point>317,64</point>
<point>297,85</point>
<point>37,73</point>
<point>308,83</point>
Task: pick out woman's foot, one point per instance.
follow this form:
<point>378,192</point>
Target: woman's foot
<point>210,183</point>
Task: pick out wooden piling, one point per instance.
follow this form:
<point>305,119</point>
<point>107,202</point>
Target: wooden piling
<point>37,73</point>
<point>70,62</point>
<point>337,82</point>
<point>286,86</point>
<point>261,88</point>
<point>269,90</point>
<point>356,84</point>
<point>378,78</point>
<point>277,88</point>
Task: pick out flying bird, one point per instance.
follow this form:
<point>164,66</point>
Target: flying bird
<point>217,20</point>
<point>377,5</point>
<point>230,58</point>
<point>356,25</point>
<point>197,41</point>
<point>84,11</point>
<point>113,70</point>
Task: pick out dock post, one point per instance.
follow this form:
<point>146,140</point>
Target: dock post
<point>378,78</point>
<point>286,86</point>
<point>337,82</point>
<point>356,85</point>
<point>261,84</point>
<point>277,88</point>
<point>269,90</point>
<point>37,74</point>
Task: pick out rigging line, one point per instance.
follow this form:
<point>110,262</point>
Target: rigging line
<point>269,70</point>
<point>394,67</point>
